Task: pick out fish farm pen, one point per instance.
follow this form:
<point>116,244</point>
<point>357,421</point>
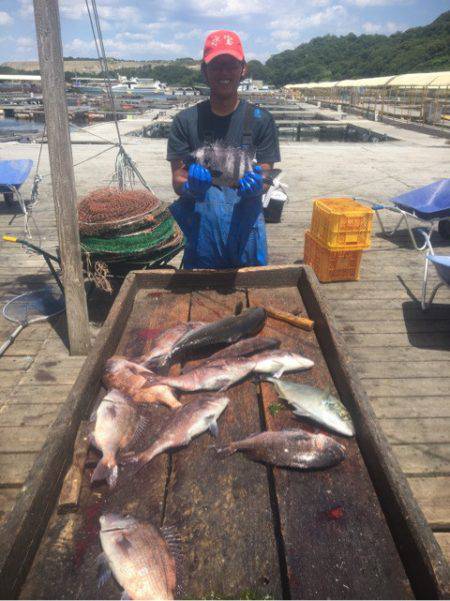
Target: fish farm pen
<point>416,97</point>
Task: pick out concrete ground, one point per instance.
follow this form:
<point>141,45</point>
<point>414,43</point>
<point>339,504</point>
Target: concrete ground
<point>401,354</point>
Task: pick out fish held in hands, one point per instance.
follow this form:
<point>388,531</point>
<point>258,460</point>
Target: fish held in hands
<point>289,448</point>
<point>138,556</point>
<point>315,404</point>
<point>185,423</point>
<point>224,331</point>
<point>243,348</point>
<point>226,163</point>
<point>118,425</point>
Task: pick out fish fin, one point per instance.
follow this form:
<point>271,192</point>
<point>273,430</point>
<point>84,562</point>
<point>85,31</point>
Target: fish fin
<point>104,472</point>
<point>213,428</point>
<point>141,429</point>
<point>125,596</point>
<point>226,451</point>
<point>173,540</point>
<point>104,572</point>
<point>93,416</point>
<point>277,375</point>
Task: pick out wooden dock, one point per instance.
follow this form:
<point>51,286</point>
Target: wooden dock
<point>401,353</point>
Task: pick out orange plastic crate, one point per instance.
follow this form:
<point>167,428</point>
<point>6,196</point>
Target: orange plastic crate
<point>341,223</point>
<point>331,265</point>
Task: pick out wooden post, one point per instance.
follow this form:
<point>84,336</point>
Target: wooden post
<point>46,16</point>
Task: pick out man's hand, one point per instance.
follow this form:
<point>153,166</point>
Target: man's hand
<point>198,183</point>
<point>251,185</point>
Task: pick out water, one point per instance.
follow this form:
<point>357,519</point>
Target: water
<point>20,125</point>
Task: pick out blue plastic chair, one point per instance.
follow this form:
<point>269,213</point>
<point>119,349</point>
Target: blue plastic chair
<point>12,176</point>
<point>430,204</point>
<point>442,265</point>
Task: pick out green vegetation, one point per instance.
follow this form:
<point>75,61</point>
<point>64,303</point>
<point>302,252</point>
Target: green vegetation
<point>329,58</point>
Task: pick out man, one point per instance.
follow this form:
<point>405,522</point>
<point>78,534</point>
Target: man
<point>223,227</point>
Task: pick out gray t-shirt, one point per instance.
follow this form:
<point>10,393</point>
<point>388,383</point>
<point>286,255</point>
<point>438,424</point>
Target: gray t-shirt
<point>184,135</point>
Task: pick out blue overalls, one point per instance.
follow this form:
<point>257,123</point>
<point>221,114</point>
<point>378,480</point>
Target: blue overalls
<point>223,231</point>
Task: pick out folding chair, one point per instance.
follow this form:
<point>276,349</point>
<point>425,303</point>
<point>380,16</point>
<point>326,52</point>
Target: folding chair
<point>430,204</point>
<point>442,265</point>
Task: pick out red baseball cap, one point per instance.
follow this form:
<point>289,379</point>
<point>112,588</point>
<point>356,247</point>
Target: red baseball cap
<point>222,42</point>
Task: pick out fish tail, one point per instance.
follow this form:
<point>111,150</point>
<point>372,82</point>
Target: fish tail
<point>226,451</point>
<point>106,470</point>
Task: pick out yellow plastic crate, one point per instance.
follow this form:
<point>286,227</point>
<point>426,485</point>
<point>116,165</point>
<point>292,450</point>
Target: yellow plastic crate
<point>331,265</point>
<point>341,223</point>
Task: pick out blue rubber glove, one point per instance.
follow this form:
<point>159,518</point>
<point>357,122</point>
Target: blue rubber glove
<point>251,185</point>
<point>198,183</point>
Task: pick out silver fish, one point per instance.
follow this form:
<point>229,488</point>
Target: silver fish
<point>117,426</point>
<point>223,373</point>
<point>277,362</point>
<point>185,423</point>
<point>289,448</point>
<point>227,164</point>
<point>166,341</point>
<point>243,348</point>
<point>138,556</point>
<point>318,405</point>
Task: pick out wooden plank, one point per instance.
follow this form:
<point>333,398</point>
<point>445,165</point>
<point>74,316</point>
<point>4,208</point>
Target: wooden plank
<point>433,494</point>
<point>22,415</point>
<point>397,327</point>
<point>443,539</point>
<point>143,497</point>
<point>417,430</point>
<point>401,369</point>
<point>14,468</point>
<point>15,363</point>
<point>213,500</point>
<point>38,395</point>
<point>367,354</point>
<point>71,487</point>
<point>418,459</point>
<point>353,313</point>
<point>422,557</point>
<point>418,406</point>
<point>423,341</point>
<point>22,439</point>
<point>358,543</point>
<point>405,387</point>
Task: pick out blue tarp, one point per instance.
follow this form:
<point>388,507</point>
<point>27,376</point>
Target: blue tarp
<point>429,202</point>
<point>14,173</point>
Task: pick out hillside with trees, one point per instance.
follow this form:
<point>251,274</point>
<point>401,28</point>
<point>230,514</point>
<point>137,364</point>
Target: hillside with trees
<point>330,58</point>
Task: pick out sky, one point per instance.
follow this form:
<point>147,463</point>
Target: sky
<point>168,29</point>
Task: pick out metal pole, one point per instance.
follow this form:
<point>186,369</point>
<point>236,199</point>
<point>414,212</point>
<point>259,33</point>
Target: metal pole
<point>48,32</point>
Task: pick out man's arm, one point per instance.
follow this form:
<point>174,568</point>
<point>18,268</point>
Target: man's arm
<point>179,175</point>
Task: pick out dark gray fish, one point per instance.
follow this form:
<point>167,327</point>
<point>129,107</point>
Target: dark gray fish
<point>243,348</point>
<point>139,556</point>
<point>118,425</point>
<point>185,423</point>
<point>225,331</point>
<point>289,448</point>
<point>227,164</point>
